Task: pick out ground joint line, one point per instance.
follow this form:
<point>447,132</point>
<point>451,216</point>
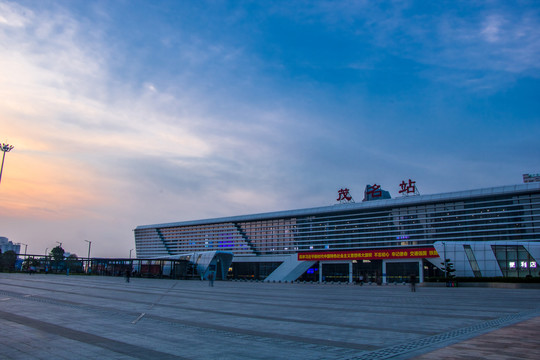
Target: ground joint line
<point>139,318</point>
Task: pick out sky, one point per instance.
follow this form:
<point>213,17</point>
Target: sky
<point>126,113</point>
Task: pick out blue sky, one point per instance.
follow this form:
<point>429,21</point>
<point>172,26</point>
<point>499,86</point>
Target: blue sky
<point>125,113</point>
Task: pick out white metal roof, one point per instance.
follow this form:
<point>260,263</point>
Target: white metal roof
<point>374,204</point>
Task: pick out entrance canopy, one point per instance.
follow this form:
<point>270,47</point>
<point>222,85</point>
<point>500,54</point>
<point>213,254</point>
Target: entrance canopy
<point>207,261</point>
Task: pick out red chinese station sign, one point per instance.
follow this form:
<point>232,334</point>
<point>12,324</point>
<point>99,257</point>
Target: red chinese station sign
<point>380,254</point>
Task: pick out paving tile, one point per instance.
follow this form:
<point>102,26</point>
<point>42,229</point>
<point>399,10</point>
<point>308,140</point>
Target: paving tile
<point>92,317</point>
<point>518,341</point>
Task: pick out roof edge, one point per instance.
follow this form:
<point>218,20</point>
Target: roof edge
<point>400,201</point>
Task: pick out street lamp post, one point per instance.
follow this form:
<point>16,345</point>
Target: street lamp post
<point>89,245</point>
<point>25,247</point>
<point>5,148</point>
<point>130,253</point>
<point>88,257</point>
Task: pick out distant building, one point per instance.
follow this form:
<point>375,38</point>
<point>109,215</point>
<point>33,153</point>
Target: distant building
<point>483,232</point>
<point>529,178</point>
<point>374,192</point>
<point>6,245</point>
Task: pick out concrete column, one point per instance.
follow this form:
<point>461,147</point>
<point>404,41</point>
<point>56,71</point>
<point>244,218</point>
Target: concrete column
<point>420,271</point>
<point>350,272</point>
<point>384,271</point>
<point>320,271</point>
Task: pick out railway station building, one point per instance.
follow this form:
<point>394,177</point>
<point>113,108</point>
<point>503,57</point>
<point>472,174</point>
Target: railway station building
<point>486,232</point>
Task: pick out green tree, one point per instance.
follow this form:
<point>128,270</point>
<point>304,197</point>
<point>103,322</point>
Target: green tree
<point>57,255</point>
<point>7,260</point>
<point>448,269</point>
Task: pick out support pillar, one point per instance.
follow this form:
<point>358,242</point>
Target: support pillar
<point>350,272</point>
<point>420,271</point>
<point>320,271</point>
<point>384,271</point>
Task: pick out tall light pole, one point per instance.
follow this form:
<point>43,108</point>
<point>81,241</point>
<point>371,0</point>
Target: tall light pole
<point>88,257</point>
<point>89,245</point>
<point>130,253</point>
<point>25,247</point>
<point>58,242</point>
<point>5,148</point>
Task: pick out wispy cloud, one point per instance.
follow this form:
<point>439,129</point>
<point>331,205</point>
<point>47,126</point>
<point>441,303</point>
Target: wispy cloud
<point>13,15</point>
<point>495,37</point>
<point>121,119</point>
<point>61,99</point>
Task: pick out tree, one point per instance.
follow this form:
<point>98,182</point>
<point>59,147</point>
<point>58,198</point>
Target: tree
<point>7,260</point>
<point>57,253</point>
<point>448,269</point>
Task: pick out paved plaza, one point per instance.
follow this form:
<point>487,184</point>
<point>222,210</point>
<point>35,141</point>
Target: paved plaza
<point>91,317</point>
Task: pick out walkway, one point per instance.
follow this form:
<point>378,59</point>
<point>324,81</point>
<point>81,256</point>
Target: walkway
<point>66,317</point>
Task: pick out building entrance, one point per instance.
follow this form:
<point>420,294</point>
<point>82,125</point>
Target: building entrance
<point>367,271</point>
<point>398,272</point>
<point>335,272</point>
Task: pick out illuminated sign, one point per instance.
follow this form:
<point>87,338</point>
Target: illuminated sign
<point>379,254</point>
<point>522,264</point>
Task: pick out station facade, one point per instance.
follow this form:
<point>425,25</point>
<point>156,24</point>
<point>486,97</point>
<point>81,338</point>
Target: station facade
<point>482,233</point>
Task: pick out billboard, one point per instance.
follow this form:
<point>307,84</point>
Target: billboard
<point>377,254</point>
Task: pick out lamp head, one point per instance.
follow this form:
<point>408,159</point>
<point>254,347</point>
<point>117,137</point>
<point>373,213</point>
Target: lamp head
<point>6,147</point>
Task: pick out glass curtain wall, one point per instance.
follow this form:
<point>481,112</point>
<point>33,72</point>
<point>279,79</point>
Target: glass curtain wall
<point>515,261</point>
